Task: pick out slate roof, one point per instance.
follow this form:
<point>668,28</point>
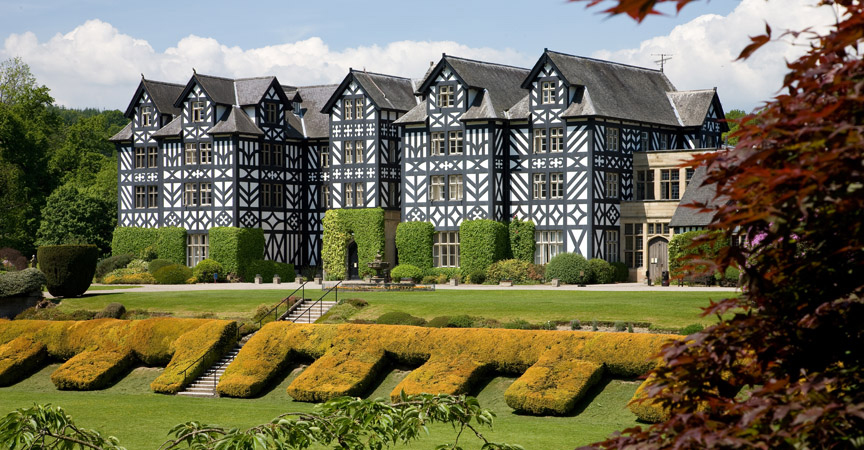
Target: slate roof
<point>521,110</point>
<point>219,89</point>
<point>696,192</point>
<point>692,106</point>
<point>172,129</point>
<point>235,120</point>
<point>415,115</point>
<point>123,135</point>
<point>162,94</point>
<point>315,123</point>
<point>614,90</point>
<point>250,91</point>
<point>387,91</point>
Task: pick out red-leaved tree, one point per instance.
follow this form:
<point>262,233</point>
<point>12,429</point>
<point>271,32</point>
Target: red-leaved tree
<point>786,372</point>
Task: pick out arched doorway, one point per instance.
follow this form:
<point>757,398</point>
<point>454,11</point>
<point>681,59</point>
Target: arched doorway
<point>352,261</point>
<point>658,257</point>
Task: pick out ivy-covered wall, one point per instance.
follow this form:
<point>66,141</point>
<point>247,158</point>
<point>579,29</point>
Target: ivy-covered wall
<point>171,244</point>
<point>365,226</point>
<point>522,240</point>
<point>414,242</point>
<point>481,243</point>
<point>134,241</point>
<point>236,248</point>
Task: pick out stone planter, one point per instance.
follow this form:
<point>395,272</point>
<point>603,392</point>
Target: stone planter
<point>317,280</point>
<point>258,279</point>
<point>555,282</point>
<point>505,283</point>
<point>298,280</point>
<point>277,279</point>
<point>454,282</point>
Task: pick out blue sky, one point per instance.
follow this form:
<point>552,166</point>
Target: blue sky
<point>91,53</point>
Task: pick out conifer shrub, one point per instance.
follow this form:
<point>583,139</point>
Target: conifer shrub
<point>112,263</point>
<point>406,271</point>
<point>194,352</point>
<point>477,277</point>
<point>68,269</point>
<point>569,268</point>
<point>173,274</point>
<point>554,385</point>
<point>92,369</point>
<point>22,282</point>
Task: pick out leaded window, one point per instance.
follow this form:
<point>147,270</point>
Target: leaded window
<point>556,140</point>
<point>669,184</point>
<point>633,245</point>
<point>152,157</point>
<point>266,192</point>
<point>548,92</point>
<point>146,116</point>
<point>348,193</point>
<point>205,193</point>
<point>272,112</point>
<point>197,111</point>
<point>445,251</point>
<point>611,185</point>
<point>197,248</point>
<point>325,196</point>
<point>612,135</point>
<point>359,104</point>
<point>358,151</point>
<point>349,152</point>
<point>455,147</point>
<point>206,152</point>
<point>445,96</point>
<point>645,185</point>
<point>140,158</point>
<point>358,192</point>
<point>437,148</point>
<point>325,157</point>
<point>549,243</point>
<point>278,155</point>
<point>645,141</point>
<point>153,196</point>
<point>265,154</point>
<point>437,191</point>
<point>191,153</point>
<point>278,197</point>
<point>349,109</point>
<point>190,194</point>
<point>140,197</point>
<point>612,254</point>
<point>455,190</point>
<point>540,140</point>
<point>539,186</point>
<point>556,185</point>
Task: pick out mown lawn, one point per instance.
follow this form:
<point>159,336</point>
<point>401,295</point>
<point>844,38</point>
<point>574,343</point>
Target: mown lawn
<point>661,309</point>
<point>141,419</point>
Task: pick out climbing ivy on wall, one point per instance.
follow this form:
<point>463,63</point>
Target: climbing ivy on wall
<point>481,243</point>
<point>522,240</point>
<point>414,242</point>
<point>365,226</point>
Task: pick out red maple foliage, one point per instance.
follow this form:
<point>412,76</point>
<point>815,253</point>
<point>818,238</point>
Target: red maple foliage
<point>788,371</point>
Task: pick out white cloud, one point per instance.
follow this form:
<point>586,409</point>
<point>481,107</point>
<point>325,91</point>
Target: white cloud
<point>705,48</point>
<point>96,65</point>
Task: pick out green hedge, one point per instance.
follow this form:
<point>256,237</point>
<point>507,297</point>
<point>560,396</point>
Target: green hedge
<point>22,282</point>
<point>267,269</point>
<point>601,271</point>
<point>236,248</point>
<point>569,268</point>
<point>522,240</point>
<point>406,271</point>
<point>365,226</point>
<point>134,240</point>
<point>173,274</point>
<point>68,269</point>
<point>515,270</point>
<point>481,243</point>
<point>171,244</point>
<point>205,270</point>
<point>622,272</point>
<point>681,249</point>
<point>111,264</point>
<point>414,242</point>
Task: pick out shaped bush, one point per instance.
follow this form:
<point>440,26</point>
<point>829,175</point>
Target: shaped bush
<point>516,270</point>
<point>134,240</point>
<point>554,385</point>
<point>90,370</point>
<point>20,356</point>
<point>171,244</point>
<point>570,268</point>
<point>157,264</point>
<point>406,271</point>
<point>522,240</point>
<point>68,269</point>
<point>414,242</point>
<point>173,274</point>
<point>236,248</point>
<point>481,243</point>
<point>111,264</point>
<point>206,269</point>
<point>267,269</point>
<point>128,278</point>
<point>22,282</point>
<point>601,271</point>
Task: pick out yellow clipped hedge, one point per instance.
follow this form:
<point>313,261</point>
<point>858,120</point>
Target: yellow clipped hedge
<point>349,357</point>
<point>98,351</point>
<point>647,410</point>
<point>20,355</point>
<point>554,385</point>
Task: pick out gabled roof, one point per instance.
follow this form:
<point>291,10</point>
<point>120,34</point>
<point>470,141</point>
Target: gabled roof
<point>697,192</point>
<point>123,135</point>
<point>172,129</point>
<point>236,121</point>
<point>502,82</point>
<point>613,90</point>
<point>417,114</point>
<point>250,91</point>
<point>219,90</point>
<point>693,106</point>
<point>315,123</point>
<point>521,110</point>
<point>385,91</point>
<point>481,108</point>
<point>163,96</point>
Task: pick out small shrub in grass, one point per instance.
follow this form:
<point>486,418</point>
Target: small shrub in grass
<point>138,266</point>
<point>691,329</point>
<point>548,325</point>
<point>630,327</point>
<point>356,302</point>
<point>22,282</point>
<point>399,318</point>
<point>569,268</point>
<point>517,324</point>
<point>461,321</point>
<point>157,264</point>
<point>429,279</point>
<point>594,325</point>
<point>68,269</point>
<point>620,326</point>
<point>173,274</point>
<point>204,271</point>
<point>406,271</point>
<point>601,271</point>
<point>477,277</point>
<point>111,264</point>
<point>438,322</point>
<point>622,272</point>
<point>112,311</point>
<point>575,324</point>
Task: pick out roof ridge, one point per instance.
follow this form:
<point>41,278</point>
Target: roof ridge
<point>486,62</point>
<point>164,82</point>
<point>213,76</point>
<point>605,61</point>
<point>255,78</point>
<point>318,85</point>
<point>380,74</point>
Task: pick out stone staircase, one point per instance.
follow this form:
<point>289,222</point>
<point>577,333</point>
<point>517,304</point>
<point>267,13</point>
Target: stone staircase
<point>205,385</point>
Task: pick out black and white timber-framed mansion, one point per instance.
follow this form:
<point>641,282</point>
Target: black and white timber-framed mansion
<point>586,149</point>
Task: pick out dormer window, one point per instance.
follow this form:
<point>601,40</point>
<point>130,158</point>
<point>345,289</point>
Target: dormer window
<point>349,109</point>
<point>197,111</point>
<point>146,115</point>
<point>359,105</point>
<point>547,94</point>
<point>445,96</point>
<point>272,113</point>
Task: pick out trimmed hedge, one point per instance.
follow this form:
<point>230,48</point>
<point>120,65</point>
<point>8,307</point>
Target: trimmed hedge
<point>406,271</point>
<point>516,270</point>
<point>134,240</point>
<point>22,282</point>
<point>601,271</point>
<point>205,270</point>
<point>414,242</point>
<point>570,268</point>
<point>365,226</point>
<point>173,274</point>
<point>267,269</point>
<point>349,357</point>
<point>68,269</point>
<point>130,278</point>
<point>481,243</point>
<point>522,240</point>
<point>99,351</point>
<point>236,248</point>
<point>157,264</point>
<point>171,244</point>
<point>111,264</point>
<point>622,272</point>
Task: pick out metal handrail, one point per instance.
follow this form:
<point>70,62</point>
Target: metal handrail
<point>275,309</point>
<point>202,357</point>
<point>319,303</point>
